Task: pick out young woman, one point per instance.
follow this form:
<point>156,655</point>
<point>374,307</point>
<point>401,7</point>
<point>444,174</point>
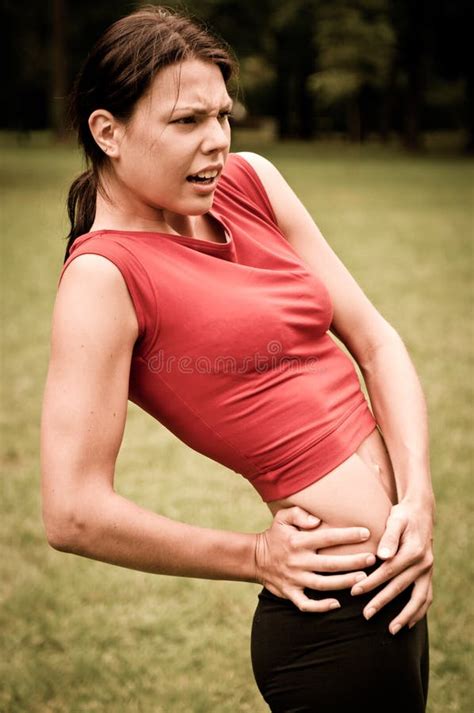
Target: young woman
<point>196,285</point>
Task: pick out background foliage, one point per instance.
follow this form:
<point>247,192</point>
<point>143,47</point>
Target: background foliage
<point>389,68</point>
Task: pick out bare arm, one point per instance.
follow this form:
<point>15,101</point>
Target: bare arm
<point>84,410</point>
<point>395,393</point>
<point>400,409</point>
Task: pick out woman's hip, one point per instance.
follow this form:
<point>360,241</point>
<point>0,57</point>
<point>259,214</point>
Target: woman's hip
<point>329,662</point>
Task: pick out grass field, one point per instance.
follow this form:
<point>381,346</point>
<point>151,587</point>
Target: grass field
<point>80,636</point>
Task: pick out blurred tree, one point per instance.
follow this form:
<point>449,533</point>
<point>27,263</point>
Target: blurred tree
<point>293,52</point>
<point>365,65</point>
<point>274,41</point>
<point>451,80</point>
<point>43,45</point>
<point>356,46</point>
<point>413,22</point>
<point>431,77</point>
<point>58,69</point>
<point>24,46</point>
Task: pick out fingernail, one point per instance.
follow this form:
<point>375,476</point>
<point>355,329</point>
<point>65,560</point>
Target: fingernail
<point>395,629</point>
<point>364,533</point>
<point>356,590</point>
<point>313,519</point>
<point>369,613</point>
<point>360,577</point>
<point>334,605</point>
<point>370,559</point>
<point>384,552</point>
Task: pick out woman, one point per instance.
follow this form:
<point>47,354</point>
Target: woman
<point>197,285</point>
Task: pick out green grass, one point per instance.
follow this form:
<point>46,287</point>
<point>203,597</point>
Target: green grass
<point>79,635</point>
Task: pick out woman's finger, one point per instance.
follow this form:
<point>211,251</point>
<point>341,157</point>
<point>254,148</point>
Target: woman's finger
<point>412,610</point>
<point>390,540</point>
<point>326,583</point>
<point>403,562</point>
<point>305,604</point>
<point>297,517</point>
<point>417,607</point>
<point>343,563</point>
<point>422,611</point>
<point>428,603</point>
<point>320,539</point>
<point>375,579</point>
<point>396,586</point>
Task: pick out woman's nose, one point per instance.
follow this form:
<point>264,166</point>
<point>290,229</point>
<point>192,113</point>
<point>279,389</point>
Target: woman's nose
<point>217,136</point>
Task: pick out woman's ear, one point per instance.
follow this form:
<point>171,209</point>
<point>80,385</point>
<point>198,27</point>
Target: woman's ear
<point>107,131</point>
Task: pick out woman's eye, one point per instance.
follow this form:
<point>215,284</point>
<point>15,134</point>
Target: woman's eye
<point>185,120</point>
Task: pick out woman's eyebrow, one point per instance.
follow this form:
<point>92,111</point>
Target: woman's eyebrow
<point>201,109</point>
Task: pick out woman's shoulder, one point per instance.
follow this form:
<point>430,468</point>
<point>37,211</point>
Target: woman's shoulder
<point>250,162</point>
<point>106,250</point>
<point>256,160</point>
<point>97,285</point>
<point>83,266</point>
<point>245,175</point>
<point>262,166</point>
<point>264,176</point>
<point>106,261</point>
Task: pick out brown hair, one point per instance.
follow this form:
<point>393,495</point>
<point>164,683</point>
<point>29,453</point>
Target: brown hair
<point>117,73</point>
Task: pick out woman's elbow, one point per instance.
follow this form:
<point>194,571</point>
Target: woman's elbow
<point>65,529</point>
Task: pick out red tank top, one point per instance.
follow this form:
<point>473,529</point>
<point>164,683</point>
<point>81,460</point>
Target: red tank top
<point>233,354</point>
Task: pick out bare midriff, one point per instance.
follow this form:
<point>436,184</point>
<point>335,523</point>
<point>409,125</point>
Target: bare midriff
<point>358,492</point>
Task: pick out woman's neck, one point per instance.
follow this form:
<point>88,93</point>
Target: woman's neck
<point>108,216</point>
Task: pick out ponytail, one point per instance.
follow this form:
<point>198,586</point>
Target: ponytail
<point>81,205</point>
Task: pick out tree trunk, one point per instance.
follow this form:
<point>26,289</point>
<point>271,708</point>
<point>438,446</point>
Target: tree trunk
<point>58,70</point>
<point>469,147</point>
<point>354,119</point>
<point>388,102</point>
<point>283,86</point>
<point>412,130</point>
<point>295,63</point>
<point>416,74</point>
<point>307,66</point>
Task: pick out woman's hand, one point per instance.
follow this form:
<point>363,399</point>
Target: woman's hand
<point>286,560</point>
<point>407,547</point>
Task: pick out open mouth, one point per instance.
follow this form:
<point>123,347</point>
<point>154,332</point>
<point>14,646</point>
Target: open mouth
<point>204,178</point>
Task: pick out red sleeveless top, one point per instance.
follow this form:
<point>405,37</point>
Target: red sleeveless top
<point>233,354</point>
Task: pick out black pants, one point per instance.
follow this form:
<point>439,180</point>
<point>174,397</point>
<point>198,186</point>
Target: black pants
<point>336,661</point>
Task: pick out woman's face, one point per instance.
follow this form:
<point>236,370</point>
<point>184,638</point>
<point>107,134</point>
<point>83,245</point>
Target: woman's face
<point>178,130</point>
